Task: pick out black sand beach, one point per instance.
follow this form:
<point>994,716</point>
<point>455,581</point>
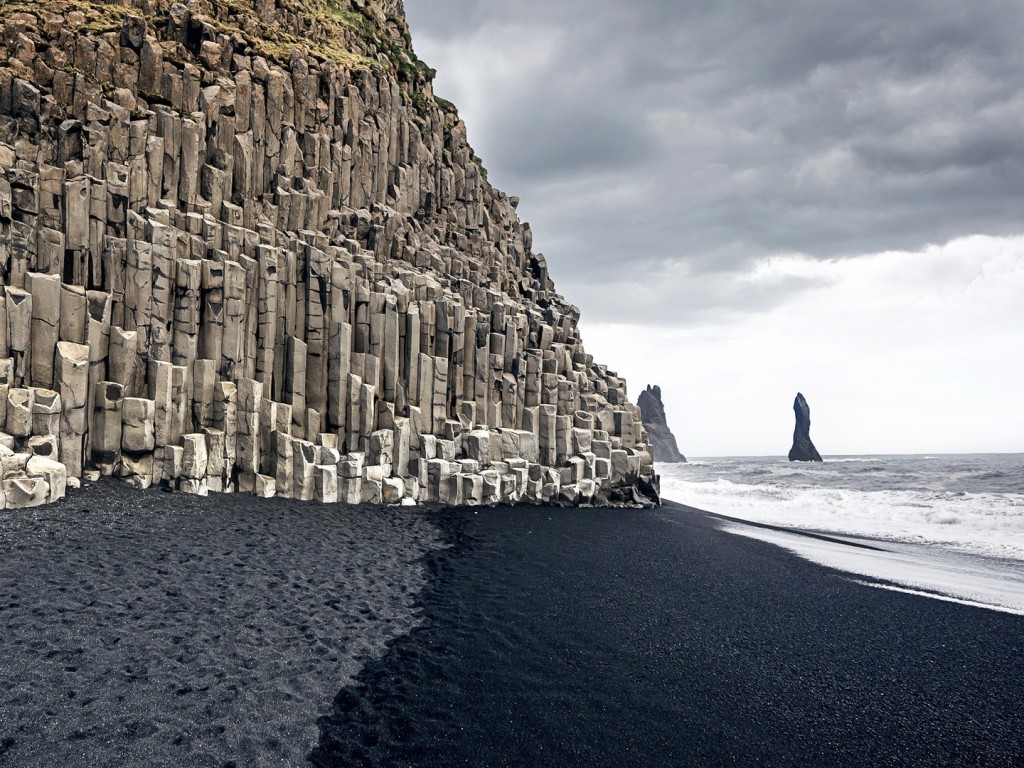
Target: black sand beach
<point>217,631</point>
<point>158,629</point>
<point>611,638</point>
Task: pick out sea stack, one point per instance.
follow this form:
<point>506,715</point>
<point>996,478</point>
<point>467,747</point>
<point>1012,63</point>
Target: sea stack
<point>652,411</point>
<point>243,247</point>
<point>803,449</point>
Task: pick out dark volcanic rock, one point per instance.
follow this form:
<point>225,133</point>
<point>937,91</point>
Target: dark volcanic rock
<point>653,413</point>
<point>803,449</point>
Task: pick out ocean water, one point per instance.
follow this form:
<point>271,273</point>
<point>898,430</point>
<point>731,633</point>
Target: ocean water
<point>970,503</point>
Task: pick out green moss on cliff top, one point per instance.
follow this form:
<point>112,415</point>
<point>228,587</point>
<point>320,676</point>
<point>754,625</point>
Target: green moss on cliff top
<point>355,38</point>
<point>329,30</point>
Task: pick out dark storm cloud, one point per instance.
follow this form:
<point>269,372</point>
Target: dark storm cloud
<point>714,133</point>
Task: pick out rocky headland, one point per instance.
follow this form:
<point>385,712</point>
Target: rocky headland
<point>652,412</point>
<point>803,449</point>
<point>243,247</point>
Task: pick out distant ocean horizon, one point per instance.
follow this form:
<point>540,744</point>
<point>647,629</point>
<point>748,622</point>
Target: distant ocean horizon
<point>971,503</point>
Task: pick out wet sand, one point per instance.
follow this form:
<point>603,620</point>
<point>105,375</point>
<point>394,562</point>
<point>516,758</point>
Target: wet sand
<point>160,629</point>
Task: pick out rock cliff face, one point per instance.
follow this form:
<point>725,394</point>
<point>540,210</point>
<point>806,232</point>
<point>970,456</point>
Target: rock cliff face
<point>803,449</point>
<point>652,413</point>
<point>244,247</point>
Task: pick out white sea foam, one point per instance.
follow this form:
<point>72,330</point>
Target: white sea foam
<point>925,571</point>
<point>855,459</point>
<point>981,523</point>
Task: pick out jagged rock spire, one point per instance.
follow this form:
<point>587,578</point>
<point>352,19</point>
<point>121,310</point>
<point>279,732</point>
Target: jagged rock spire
<point>803,449</point>
<point>652,412</point>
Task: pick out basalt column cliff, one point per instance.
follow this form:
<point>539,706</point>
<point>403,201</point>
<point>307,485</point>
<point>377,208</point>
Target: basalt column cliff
<point>244,248</point>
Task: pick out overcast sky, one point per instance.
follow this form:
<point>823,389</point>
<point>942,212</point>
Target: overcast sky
<point>747,199</point>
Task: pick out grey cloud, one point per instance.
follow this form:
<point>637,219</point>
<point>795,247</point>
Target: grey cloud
<point>714,133</point>
<point>572,137</point>
<point>991,147</point>
<point>714,298</point>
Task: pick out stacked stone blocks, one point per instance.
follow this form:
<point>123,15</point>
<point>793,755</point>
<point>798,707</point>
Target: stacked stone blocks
<point>221,274</point>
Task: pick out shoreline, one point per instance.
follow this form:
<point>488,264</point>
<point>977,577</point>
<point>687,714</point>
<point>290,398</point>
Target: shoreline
<point>472,636</point>
<point>924,569</point>
<point>659,640</point>
<point>965,504</point>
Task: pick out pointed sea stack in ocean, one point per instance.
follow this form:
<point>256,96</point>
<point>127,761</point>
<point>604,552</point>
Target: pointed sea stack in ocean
<point>652,410</point>
<point>803,449</point>
<point>243,247</point>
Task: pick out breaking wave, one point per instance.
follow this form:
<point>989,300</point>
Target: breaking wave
<point>970,504</point>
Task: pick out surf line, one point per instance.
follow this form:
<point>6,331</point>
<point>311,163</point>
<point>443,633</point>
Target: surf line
<point>938,596</point>
<point>888,567</point>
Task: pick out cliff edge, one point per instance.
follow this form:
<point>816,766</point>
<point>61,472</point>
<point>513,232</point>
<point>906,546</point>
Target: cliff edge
<point>652,412</point>
<point>243,247</point>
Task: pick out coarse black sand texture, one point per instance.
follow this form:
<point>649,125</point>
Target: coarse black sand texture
<point>163,630</point>
<point>612,638</point>
<point>158,629</point>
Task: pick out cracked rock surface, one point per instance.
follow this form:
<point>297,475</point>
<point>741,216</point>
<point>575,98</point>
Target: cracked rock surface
<point>244,248</point>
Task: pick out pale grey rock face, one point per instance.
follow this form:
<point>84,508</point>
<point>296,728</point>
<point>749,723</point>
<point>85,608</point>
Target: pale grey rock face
<point>137,417</point>
<point>228,272</point>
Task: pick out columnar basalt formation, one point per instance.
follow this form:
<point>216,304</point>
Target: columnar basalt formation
<point>244,248</point>
<point>803,449</point>
<point>652,412</point>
